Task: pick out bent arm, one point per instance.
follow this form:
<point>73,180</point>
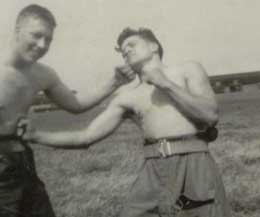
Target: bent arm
<point>64,97</point>
<point>98,129</point>
<point>198,101</point>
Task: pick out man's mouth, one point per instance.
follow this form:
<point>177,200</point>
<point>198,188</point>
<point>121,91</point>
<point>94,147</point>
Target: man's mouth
<point>130,56</point>
<point>36,54</point>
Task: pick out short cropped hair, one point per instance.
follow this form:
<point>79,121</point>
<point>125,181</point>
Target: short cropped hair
<point>36,11</point>
<point>144,33</point>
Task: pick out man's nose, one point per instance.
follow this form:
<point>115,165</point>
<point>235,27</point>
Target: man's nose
<point>126,51</point>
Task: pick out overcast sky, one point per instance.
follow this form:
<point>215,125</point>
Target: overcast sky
<point>222,34</point>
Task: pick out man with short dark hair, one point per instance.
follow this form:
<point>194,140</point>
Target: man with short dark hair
<point>142,32</point>
<point>174,107</point>
<point>36,11</point>
<point>22,193</point>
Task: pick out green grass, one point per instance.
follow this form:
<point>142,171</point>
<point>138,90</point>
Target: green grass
<point>96,181</point>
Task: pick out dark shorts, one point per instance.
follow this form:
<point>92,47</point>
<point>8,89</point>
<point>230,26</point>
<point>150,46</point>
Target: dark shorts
<point>22,193</point>
<point>180,185</point>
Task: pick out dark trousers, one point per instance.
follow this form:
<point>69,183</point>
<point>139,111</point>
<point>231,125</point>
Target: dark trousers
<point>22,193</point>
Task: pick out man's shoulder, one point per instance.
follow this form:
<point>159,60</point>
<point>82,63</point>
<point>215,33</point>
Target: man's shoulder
<point>192,66</point>
<point>175,70</point>
<point>43,69</point>
<point>189,69</point>
<point>185,65</point>
<point>45,75</point>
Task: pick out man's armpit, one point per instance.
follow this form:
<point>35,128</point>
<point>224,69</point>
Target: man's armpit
<point>123,100</point>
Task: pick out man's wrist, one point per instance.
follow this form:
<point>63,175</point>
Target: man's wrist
<point>164,84</point>
<point>115,84</point>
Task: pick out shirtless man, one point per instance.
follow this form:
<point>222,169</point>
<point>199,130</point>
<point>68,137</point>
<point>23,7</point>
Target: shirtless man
<point>174,107</point>
<point>21,78</point>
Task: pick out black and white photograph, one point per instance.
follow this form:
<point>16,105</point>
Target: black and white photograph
<point>131,108</point>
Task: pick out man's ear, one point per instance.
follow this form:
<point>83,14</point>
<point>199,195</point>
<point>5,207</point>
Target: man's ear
<point>154,47</point>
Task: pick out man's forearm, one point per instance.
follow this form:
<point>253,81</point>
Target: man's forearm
<point>63,140</point>
<point>97,94</point>
<point>122,75</point>
<point>100,128</point>
<point>197,108</point>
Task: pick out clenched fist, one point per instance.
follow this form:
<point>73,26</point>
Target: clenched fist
<point>25,130</point>
<point>124,74</point>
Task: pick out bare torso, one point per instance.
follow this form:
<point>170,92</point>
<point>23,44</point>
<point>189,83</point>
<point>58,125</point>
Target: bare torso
<point>156,112</point>
<point>18,91</point>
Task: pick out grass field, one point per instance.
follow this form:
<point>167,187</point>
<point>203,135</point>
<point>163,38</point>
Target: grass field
<point>95,182</point>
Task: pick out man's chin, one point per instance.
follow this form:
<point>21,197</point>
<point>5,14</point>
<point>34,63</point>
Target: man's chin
<point>31,60</point>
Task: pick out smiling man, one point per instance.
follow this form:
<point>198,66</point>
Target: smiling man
<point>174,107</point>
<point>22,193</point>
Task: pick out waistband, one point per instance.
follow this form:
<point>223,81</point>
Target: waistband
<point>150,141</point>
<point>165,147</point>
<point>208,135</point>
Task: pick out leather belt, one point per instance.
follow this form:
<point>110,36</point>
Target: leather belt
<point>165,147</point>
<point>150,141</point>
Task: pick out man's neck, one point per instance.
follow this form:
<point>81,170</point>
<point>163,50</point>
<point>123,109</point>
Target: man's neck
<point>151,66</point>
<point>16,62</point>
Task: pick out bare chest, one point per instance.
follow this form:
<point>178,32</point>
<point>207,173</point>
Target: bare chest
<point>17,90</point>
<point>150,99</point>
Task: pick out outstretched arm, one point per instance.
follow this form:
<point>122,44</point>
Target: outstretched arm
<point>98,129</point>
<point>63,96</point>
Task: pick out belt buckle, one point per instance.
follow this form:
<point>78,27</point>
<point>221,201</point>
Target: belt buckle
<point>164,148</point>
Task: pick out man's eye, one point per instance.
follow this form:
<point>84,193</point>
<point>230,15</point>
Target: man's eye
<point>131,44</point>
<point>36,35</point>
<point>48,40</point>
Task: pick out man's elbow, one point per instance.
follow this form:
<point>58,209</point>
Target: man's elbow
<point>212,118</point>
<point>76,109</point>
